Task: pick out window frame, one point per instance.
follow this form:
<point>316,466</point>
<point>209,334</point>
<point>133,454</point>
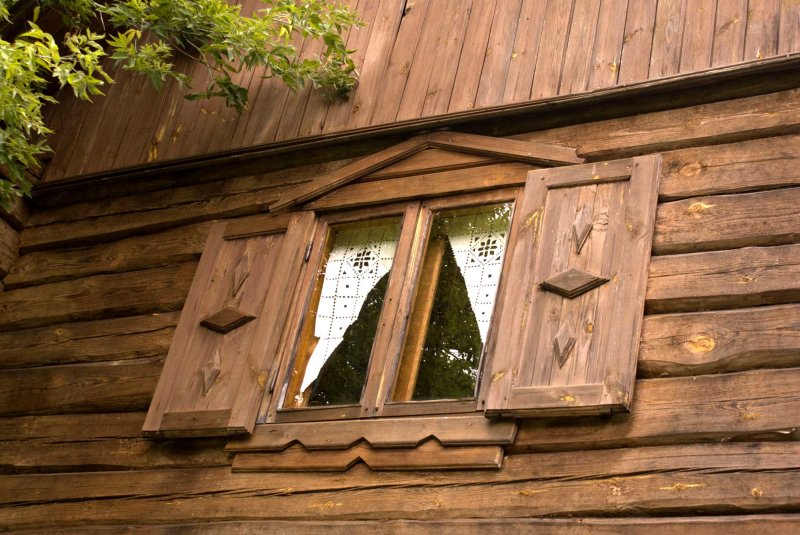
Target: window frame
<point>401,291</point>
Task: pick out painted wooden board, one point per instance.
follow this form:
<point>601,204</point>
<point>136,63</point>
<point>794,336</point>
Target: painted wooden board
<point>578,270</point>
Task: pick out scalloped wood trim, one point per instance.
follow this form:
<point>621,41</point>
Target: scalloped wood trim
<point>473,430</point>
<point>502,148</point>
<point>430,455</point>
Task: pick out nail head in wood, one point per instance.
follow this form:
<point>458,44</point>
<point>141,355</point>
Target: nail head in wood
<point>226,320</point>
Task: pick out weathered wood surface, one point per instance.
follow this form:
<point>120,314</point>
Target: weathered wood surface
<point>731,168</point>
<point>94,442</point>
<point>728,222</point>
<point>106,387</point>
<point>711,408</point>
<point>161,289</point>
<point>124,338</point>
<point>779,524</point>
<point>431,59</point>
<point>173,246</point>
<point>430,455</point>
<point>693,479</point>
<point>705,124</point>
<point>724,279</point>
<point>9,247</point>
<point>720,341</point>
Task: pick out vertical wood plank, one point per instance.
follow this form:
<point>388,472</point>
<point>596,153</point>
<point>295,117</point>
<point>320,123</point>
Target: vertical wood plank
<point>359,40</point>
<point>470,62</point>
<point>525,50</point>
<point>498,53</point>
<point>418,77</point>
<point>637,42</point>
<point>667,38</point>
<point>552,47</point>
<point>608,44</point>
<point>698,35</point>
<point>294,107</point>
<point>440,86</point>
<point>789,32</point>
<point>761,38</point>
<point>578,58</point>
<point>729,30</point>
<point>382,40</point>
<point>394,80</point>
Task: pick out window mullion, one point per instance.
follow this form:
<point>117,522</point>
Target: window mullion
<point>392,324</point>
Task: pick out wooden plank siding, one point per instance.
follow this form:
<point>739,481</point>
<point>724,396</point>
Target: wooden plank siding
<point>420,58</point>
<point>91,305</point>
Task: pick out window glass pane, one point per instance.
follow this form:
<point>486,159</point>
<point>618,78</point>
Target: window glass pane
<point>454,302</point>
<point>333,356</point>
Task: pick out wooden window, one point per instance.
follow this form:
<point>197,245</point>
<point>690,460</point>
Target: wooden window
<point>260,322</point>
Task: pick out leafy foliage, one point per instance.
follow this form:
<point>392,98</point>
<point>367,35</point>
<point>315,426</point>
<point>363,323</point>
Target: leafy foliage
<point>144,36</point>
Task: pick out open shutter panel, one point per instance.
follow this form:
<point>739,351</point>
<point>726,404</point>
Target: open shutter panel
<point>571,318</point>
<point>227,338</point>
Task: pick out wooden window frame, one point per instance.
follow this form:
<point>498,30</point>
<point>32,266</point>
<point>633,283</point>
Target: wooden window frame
<point>392,329</point>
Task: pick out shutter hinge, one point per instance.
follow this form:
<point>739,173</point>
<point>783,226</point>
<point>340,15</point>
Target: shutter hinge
<point>272,382</point>
<point>307,254</point>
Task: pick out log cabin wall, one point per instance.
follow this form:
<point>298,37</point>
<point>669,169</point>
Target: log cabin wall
<point>90,306</point>
<point>424,58</point>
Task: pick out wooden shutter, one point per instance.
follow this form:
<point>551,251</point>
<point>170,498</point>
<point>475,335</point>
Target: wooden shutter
<point>227,338</point>
<point>570,319</point>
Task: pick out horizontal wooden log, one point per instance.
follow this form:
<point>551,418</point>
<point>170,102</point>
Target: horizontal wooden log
<point>728,222</point>
<point>706,124</point>
<point>123,338</point>
<point>91,222</point>
<point>426,185</point>
<point>145,291</point>
<point>174,246</point>
<point>724,279</point>
<point>720,341</point>
<point>17,214</point>
<point>94,442</point>
<point>9,247</point>
<point>712,482</point>
<point>758,164</point>
<point>103,387</point>
<point>778,524</point>
<point>711,408</point>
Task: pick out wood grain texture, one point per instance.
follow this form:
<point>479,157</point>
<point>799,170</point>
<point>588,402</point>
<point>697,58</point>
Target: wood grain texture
<point>698,35</point>
<point>667,38</point>
<point>101,296</point>
<point>637,41</point>
<point>430,455</point>
<point>724,279</point>
<point>9,247</point>
<point>706,223</point>
<point>173,246</point>
<point>725,484</point>
<point>97,442</point>
<point>731,168</point>
<point>711,525</point>
<point>761,35</point>
<point>720,342</point>
<point>380,433</point>
<point>710,408</point>
<point>729,32</point>
<point>116,339</point>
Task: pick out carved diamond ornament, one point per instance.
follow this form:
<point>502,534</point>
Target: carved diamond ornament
<point>211,371</point>
<point>563,342</point>
<point>572,283</point>
<point>240,273</point>
<point>226,320</point>
<point>582,227</point>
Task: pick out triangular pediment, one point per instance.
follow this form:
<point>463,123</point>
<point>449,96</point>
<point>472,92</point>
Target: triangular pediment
<point>509,150</point>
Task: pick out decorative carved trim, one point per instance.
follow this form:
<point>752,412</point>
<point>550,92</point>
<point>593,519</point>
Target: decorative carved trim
<point>211,371</point>
<point>572,283</point>
<point>240,273</point>
<point>582,227</point>
<point>564,341</point>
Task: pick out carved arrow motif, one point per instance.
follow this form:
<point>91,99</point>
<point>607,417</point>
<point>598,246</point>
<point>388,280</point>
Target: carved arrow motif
<point>582,227</point>
<point>564,341</point>
<point>211,370</point>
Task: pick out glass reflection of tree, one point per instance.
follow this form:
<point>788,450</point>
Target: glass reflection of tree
<point>341,379</point>
<point>452,348</point>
